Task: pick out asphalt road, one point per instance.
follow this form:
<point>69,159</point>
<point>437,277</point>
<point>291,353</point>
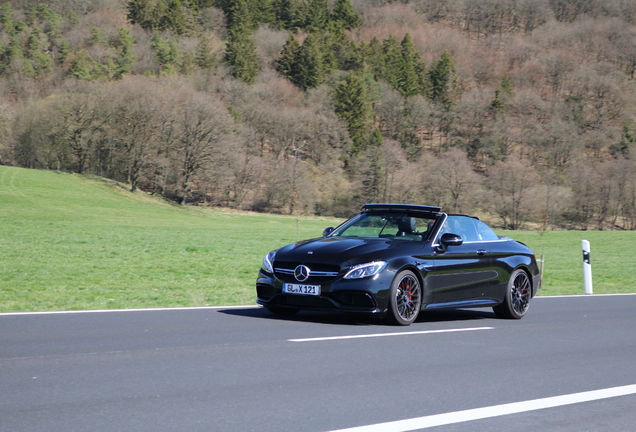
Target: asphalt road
<point>241,369</point>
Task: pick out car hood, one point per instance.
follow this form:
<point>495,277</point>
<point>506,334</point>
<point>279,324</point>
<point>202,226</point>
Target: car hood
<point>335,250</point>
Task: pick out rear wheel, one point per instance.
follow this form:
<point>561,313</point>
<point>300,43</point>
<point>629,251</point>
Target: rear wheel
<point>405,298</point>
<point>518,294</point>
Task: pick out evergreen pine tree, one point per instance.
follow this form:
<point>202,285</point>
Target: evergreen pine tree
<point>6,18</point>
<point>14,50</point>
<point>310,64</point>
<point>241,56</point>
<point>353,106</point>
<point>411,67</point>
<point>81,66</point>
<point>497,105</point>
<point>506,85</point>
<point>348,55</point>
<point>317,15</point>
<point>64,51</point>
<point>374,57</point>
<point>54,30</point>
<point>97,38</point>
<point>167,54</point>
<point>174,18</point>
<point>203,56</point>
<point>344,16</point>
<point>288,14</point>
<point>393,60</point>
<point>263,12</point>
<point>126,57</point>
<point>443,79</point>
<point>144,13</point>
<point>373,176</point>
<point>240,18</point>
<point>286,63</point>
<point>39,62</point>
<point>377,139</point>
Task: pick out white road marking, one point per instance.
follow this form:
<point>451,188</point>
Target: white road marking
<point>493,411</point>
<point>330,338</point>
<point>583,295</point>
<point>90,311</point>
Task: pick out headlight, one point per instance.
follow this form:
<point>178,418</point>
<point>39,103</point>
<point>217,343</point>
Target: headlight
<point>267,262</point>
<point>365,270</point>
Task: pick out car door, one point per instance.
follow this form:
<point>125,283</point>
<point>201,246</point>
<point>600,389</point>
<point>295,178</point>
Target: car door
<point>463,272</point>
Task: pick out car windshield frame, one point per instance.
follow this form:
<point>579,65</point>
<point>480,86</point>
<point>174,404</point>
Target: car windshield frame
<point>401,226</point>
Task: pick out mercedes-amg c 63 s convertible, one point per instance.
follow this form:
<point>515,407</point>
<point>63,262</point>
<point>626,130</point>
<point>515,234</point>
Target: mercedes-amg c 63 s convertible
<point>396,260</point>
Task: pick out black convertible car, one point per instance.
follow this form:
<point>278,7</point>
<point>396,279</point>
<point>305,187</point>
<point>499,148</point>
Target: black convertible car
<point>395,260</point>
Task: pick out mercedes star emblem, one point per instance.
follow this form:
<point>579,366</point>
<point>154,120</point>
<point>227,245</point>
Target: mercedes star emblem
<point>301,273</point>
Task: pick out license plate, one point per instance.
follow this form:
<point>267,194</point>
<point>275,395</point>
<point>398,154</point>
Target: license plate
<point>301,289</point>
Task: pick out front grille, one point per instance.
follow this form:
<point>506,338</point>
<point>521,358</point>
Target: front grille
<point>318,273</point>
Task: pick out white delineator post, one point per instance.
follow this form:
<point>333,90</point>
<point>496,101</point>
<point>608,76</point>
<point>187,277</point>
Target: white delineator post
<point>587,267</point>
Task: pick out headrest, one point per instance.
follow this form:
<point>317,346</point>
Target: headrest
<point>407,224</point>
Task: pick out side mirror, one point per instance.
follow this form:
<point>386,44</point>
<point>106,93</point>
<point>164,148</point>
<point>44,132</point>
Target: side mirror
<point>328,231</point>
<point>449,239</point>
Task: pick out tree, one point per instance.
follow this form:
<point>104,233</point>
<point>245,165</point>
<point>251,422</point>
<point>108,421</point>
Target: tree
<point>393,62</point>
<point>511,183</point>
<point>344,16</point>
<point>175,17</point>
<point>310,68</point>
<point>372,175</point>
<point>241,55</point>
<point>286,63</point>
<point>412,75</point>
<point>444,88</point>
<point>289,14</point>
<point>195,131</point>
<point>135,127</point>
<point>204,57</point>
<point>146,13</point>
<point>6,18</point>
<point>451,182</point>
<point>374,57</point>
<point>353,106</point>
<point>317,15</point>
<point>126,56</point>
<point>240,18</point>
<point>39,63</point>
<point>167,54</point>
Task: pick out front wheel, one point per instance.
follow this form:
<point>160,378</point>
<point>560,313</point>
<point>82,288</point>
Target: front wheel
<point>405,298</point>
<point>518,294</point>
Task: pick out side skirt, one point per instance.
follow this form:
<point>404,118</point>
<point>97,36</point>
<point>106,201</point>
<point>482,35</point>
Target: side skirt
<point>463,304</point>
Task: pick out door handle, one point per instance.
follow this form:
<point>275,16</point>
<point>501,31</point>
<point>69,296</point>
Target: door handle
<point>482,252</point>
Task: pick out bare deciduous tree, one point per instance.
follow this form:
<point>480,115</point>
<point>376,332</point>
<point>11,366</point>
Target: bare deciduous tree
<point>510,184</point>
<point>451,182</point>
<point>195,130</point>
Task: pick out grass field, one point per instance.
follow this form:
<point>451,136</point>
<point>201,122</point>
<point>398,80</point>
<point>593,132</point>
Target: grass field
<point>70,242</point>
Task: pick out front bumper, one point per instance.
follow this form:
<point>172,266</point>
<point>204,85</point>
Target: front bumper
<point>368,296</point>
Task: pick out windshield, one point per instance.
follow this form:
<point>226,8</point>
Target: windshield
<point>391,226</point>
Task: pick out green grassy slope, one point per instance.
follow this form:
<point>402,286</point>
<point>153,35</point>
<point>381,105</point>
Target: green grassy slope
<point>613,258</point>
<point>71,242</point>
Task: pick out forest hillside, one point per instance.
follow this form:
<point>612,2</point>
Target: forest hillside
<point>520,111</point>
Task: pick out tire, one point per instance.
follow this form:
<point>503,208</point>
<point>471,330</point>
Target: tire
<point>405,298</point>
<point>282,311</point>
<point>517,299</point>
